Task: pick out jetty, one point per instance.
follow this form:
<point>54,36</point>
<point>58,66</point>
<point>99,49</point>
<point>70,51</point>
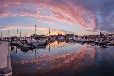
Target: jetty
<point>5,61</point>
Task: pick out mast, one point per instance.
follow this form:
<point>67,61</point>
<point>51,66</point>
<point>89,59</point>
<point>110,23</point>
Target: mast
<point>35,30</point>
<point>8,34</point>
<point>25,36</point>
<point>1,34</point>
<point>49,31</point>
<point>17,32</point>
<point>20,33</point>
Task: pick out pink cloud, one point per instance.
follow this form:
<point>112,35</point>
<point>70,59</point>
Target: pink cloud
<point>66,12</point>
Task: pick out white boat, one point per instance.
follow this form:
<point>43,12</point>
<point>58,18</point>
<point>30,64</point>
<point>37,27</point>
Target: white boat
<point>61,38</point>
<point>23,44</point>
<point>39,40</point>
<point>51,39</point>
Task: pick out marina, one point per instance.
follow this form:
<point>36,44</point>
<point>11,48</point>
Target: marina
<point>46,55</point>
<point>57,54</point>
<point>56,37</point>
<point>63,59</point>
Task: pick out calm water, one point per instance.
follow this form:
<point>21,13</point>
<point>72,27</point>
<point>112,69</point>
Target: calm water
<point>64,59</point>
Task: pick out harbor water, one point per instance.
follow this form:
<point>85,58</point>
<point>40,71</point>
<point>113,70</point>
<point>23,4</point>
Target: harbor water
<point>63,59</point>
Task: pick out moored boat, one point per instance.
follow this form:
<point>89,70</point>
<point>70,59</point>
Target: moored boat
<point>24,44</point>
<point>39,40</point>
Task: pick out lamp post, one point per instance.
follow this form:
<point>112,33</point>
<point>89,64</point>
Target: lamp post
<point>1,34</point>
<point>20,34</point>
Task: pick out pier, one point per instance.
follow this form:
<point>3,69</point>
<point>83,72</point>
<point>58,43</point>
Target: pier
<point>5,61</point>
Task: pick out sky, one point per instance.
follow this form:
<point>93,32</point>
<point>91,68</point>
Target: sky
<point>80,17</point>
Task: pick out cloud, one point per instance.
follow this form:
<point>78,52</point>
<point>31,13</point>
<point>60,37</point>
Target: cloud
<point>64,11</point>
<point>22,27</point>
<point>88,14</point>
<point>107,16</point>
<point>104,13</point>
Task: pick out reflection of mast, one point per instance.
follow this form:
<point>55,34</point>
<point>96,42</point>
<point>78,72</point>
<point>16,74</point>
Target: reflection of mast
<point>15,50</point>
<point>58,42</point>
<point>49,47</point>
<point>35,53</point>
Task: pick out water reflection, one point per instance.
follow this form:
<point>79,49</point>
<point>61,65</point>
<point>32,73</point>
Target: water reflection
<point>56,59</point>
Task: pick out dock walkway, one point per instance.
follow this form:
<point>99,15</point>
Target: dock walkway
<point>5,61</point>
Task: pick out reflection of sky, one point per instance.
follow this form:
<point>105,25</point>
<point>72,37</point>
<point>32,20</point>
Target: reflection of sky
<point>55,49</point>
<point>60,55</point>
<point>64,58</point>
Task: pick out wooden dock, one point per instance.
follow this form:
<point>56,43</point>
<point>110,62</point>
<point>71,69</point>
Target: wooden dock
<point>5,61</point>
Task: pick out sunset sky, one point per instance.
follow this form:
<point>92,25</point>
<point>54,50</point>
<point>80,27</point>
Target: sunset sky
<point>80,17</point>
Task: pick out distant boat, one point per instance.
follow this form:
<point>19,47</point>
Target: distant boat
<point>69,38</point>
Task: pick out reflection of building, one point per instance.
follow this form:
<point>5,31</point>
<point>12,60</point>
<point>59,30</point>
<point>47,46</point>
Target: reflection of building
<point>5,61</point>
